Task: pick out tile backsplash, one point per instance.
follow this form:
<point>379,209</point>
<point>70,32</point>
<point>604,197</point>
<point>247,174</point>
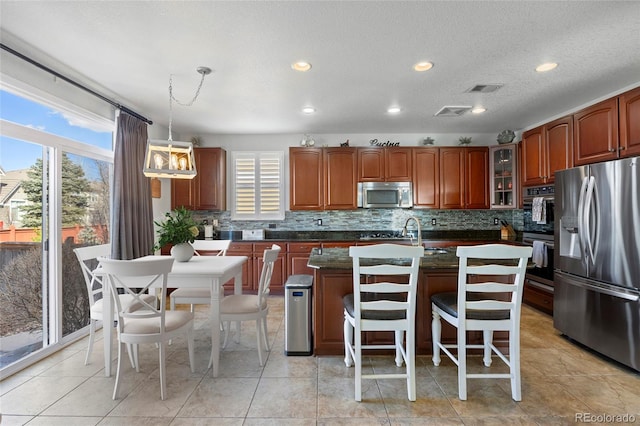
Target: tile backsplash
<point>371,219</point>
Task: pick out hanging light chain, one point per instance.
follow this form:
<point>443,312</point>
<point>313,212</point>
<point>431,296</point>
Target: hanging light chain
<point>204,71</point>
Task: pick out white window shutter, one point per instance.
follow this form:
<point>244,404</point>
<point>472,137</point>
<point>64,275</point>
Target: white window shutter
<point>258,186</point>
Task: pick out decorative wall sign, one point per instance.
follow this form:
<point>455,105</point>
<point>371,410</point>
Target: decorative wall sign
<point>374,142</point>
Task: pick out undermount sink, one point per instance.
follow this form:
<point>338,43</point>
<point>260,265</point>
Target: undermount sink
<point>430,251</point>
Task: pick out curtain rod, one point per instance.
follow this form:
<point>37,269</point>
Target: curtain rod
<point>75,83</point>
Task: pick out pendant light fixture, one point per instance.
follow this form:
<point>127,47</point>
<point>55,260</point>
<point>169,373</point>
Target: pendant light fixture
<point>173,159</point>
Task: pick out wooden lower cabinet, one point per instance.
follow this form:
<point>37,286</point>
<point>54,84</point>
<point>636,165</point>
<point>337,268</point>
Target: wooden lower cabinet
<point>298,257</point>
<point>253,267</point>
<point>279,276</point>
<point>538,298</point>
<point>330,286</point>
<point>241,248</point>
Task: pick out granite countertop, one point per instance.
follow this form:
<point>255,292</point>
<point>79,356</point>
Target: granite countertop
<point>319,236</point>
<point>434,258</point>
<point>338,258</point>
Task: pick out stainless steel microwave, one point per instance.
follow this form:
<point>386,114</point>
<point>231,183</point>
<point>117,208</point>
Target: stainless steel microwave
<point>385,195</point>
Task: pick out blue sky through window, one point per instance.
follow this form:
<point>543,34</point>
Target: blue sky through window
<point>14,156</point>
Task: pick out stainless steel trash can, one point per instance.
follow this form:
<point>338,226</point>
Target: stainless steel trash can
<point>297,315</point>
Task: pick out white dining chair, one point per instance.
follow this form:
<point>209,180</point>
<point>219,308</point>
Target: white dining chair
<point>87,257</point>
<point>153,324</point>
<point>483,305</point>
<point>251,307</point>
<point>385,282</point>
<point>199,296</point>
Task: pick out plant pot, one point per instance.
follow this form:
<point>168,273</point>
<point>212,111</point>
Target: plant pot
<point>182,252</point>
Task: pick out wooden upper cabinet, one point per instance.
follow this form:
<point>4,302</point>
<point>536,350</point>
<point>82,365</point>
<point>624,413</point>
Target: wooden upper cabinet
<point>545,150</point>
<point>464,178</point>
<point>398,163</point>
<point>211,164</point>
<point>208,190</point>
<point>533,156</point>
<point>340,178</point>
<point>558,136</point>
<point>306,179</point>
<point>377,164</point>
<point>476,178</point>
<point>182,194</point>
<point>371,164</point>
<point>426,178</point>
<point>596,133</point>
<point>452,163</point>
<point>630,123</point>
<point>323,178</point>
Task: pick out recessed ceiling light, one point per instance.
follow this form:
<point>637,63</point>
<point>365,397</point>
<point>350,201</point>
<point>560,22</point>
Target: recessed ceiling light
<point>308,110</point>
<point>393,110</point>
<point>423,66</point>
<point>301,66</point>
<point>546,67</point>
<point>478,110</point>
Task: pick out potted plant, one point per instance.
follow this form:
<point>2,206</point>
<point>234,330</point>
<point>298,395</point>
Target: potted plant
<point>464,140</point>
<point>180,230</point>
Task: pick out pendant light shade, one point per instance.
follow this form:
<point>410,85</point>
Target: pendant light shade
<point>173,159</point>
<point>169,159</point>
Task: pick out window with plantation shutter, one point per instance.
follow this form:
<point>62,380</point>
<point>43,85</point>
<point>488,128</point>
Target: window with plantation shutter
<point>258,180</point>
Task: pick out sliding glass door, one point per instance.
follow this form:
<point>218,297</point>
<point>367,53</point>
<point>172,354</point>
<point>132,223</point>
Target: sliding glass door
<point>85,222</point>
<point>55,174</point>
<point>23,256</point>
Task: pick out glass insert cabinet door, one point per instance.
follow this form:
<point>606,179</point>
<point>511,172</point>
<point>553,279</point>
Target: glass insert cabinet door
<point>504,188</point>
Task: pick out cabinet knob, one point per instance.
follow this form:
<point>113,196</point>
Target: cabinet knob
<point>621,148</point>
<point>612,150</point>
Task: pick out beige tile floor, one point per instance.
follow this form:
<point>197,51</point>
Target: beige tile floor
<point>560,380</point>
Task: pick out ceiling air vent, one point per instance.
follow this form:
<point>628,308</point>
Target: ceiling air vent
<point>485,88</point>
<point>452,111</point>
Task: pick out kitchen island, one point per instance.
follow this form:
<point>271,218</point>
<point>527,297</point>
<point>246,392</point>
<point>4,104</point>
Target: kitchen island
<point>333,280</point>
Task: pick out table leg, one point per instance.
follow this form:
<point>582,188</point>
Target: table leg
<point>215,325</point>
<point>107,328</point>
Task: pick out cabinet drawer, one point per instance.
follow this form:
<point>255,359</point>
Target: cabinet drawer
<point>303,248</point>
<point>336,244</point>
<point>538,298</point>
<point>240,249</point>
<point>259,248</point>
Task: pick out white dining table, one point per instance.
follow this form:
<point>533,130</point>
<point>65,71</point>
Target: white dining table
<point>200,271</point>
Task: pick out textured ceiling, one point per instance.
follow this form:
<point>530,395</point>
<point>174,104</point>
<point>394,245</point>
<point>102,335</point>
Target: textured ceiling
<point>362,55</point>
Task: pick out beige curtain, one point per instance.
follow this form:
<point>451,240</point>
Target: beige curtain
<point>132,219</point>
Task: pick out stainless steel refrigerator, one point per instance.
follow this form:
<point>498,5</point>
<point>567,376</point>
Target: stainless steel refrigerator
<point>597,257</point>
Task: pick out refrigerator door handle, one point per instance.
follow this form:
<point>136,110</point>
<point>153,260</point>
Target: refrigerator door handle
<point>600,288</point>
<point>581,225</point>
<point>587,218</point>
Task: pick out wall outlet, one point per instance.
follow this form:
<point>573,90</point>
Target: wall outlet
<point>272,226</point>
<point>495,220</point>
<point>319,222</point>
<point>433,221</point>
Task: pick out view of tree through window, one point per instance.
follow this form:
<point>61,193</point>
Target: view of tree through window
<point>28,154</point>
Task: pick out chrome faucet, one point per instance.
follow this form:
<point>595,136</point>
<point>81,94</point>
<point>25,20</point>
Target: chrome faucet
<point>404,230</point>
